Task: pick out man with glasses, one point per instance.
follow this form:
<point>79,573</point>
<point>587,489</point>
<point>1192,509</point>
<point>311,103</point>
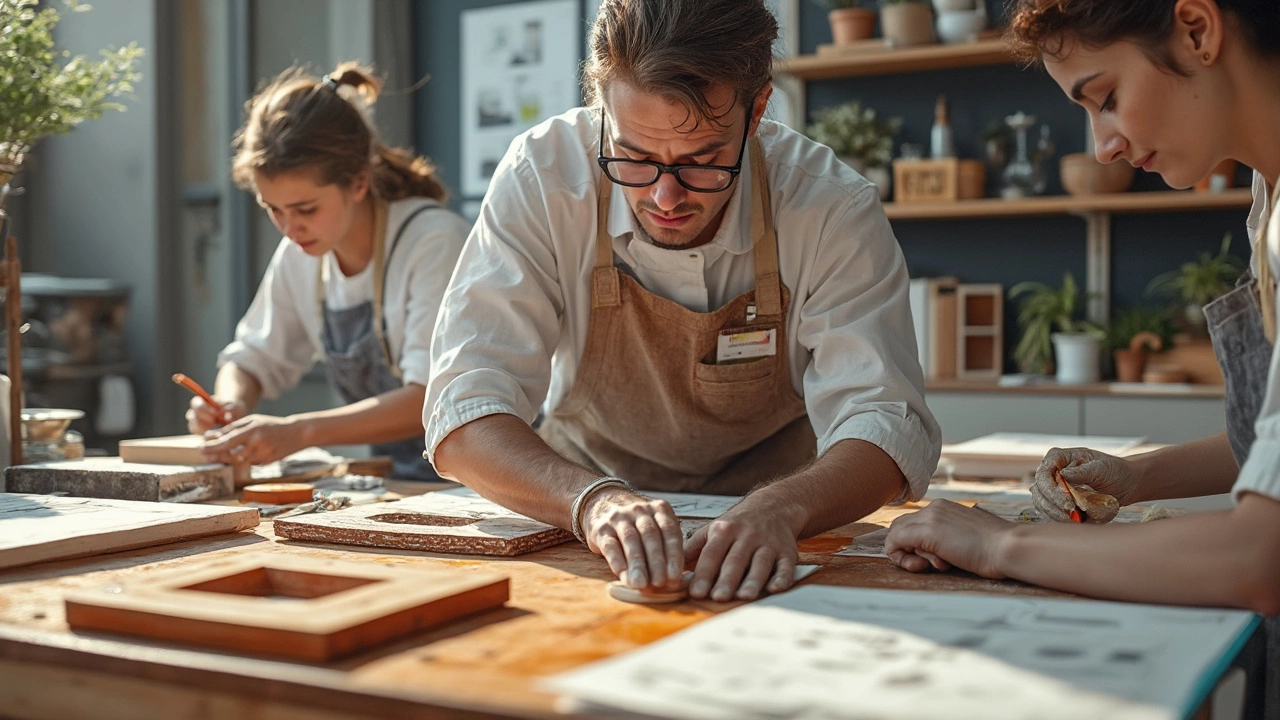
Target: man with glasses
<point>698,300</point>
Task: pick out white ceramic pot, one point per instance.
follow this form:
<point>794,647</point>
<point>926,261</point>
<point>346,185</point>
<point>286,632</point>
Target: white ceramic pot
<point>953,5</point>
<point>960,26</point>
<point>1077,356</point>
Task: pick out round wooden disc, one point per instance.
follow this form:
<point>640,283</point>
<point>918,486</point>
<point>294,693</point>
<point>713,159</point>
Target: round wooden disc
<point>278,493</point>
<point>618,591</point>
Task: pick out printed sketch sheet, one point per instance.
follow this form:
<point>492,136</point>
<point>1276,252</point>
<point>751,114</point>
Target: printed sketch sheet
<point>831,652</point>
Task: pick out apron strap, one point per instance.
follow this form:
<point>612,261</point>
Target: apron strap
<point>768,280</point>
<point>383,261</point>
<point>605,287</point>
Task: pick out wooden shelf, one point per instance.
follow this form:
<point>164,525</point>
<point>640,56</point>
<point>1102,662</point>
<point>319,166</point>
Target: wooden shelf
<point>1132,202</point>
<point>1151,390</point>
<point>910,59</point>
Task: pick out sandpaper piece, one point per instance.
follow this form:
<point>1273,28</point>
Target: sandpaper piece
<point>867,545</point>
<point>302,608</point>
<point>39,528</point>
<point>434,522</point>
<point>114,478</point>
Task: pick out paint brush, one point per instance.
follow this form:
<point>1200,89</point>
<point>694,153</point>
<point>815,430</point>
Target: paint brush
<point>1077,515</point>
<point>200,392</point>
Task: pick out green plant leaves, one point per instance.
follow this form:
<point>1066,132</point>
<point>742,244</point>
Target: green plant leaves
<point>44,91</point>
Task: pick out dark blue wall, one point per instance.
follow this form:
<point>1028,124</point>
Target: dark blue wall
<point>1006,250</point>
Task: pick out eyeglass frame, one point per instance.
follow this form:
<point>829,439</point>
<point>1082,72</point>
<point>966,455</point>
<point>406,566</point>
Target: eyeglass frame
<point>734,170</point>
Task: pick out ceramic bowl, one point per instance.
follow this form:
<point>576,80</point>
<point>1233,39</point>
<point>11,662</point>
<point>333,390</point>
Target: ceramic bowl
<point>1082,174</point>
<point>47,424</point>
<point>960,26</point>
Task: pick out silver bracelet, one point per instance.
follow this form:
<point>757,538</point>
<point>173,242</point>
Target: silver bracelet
<point>575,510</point>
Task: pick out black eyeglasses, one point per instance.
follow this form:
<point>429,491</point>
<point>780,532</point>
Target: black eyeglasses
<point>698,178</point>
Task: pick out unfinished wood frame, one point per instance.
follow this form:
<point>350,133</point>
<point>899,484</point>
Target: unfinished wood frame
<point>295,607</point>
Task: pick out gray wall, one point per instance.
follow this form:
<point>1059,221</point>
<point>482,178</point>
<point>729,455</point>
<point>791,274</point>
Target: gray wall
<point>1005,251</point>
<point>95,208</point>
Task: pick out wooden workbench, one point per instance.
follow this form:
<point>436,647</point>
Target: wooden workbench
<point>558,618</point>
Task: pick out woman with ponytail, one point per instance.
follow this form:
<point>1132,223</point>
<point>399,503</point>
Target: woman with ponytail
<point>357,280</point>
<point>1173,87</point>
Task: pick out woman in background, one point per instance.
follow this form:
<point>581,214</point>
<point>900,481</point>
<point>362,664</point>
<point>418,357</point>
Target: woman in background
<point>357,279</point>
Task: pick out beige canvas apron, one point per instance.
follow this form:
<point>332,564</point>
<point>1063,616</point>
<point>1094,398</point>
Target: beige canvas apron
<point>650,405</point>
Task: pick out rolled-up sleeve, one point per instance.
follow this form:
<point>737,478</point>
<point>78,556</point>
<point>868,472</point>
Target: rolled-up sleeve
<point>271,341</point>
<point>864,380</point>
<point>500,319</point>
<point>1261,471</point>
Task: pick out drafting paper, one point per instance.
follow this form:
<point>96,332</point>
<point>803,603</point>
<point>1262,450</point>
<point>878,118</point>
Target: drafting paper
<point>831,653</point>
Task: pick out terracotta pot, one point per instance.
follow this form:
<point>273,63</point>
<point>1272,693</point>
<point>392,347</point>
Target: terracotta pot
<point>1220,178</point>
<point>851,24</point>
<point>907,23</point>
<point>1082,174</point>
<point>1131,362</point>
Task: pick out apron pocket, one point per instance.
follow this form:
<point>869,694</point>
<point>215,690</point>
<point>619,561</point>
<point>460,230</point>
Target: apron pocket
<point>737,392</point>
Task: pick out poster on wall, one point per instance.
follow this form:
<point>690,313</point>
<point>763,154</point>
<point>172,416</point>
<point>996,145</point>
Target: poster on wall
<point>519,67</point>
<point>786,105</point>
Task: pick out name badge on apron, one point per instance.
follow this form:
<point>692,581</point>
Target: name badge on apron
<point>734,346</point>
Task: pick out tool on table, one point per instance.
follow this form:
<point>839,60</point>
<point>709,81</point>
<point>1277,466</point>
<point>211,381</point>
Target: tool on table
<point>194,387</point>
<point>1077,515</point>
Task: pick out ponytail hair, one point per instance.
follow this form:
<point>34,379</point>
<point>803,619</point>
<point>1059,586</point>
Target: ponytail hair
<point>298,121</point>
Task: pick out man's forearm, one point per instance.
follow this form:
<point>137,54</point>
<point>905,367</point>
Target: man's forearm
<point>503,459</point>
<point>853,479</point>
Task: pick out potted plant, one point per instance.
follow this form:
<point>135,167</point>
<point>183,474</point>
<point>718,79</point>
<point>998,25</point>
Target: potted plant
<point>906,22</point>
<point>860,138</point>
<point>851,20</point>
<point>1075,343</point>
<point>1198,283</point>
<point>1131,334</point>
<point>45,91</point>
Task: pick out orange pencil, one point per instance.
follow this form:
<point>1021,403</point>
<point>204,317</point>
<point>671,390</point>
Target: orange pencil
<point>1077,515</point>
<point>194,387</point>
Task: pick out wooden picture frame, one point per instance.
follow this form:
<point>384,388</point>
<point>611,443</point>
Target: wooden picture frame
<point>301,608</point>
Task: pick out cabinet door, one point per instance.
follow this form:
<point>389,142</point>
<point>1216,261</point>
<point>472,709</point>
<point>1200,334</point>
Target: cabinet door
<point>1160,420</point>
<point>965,416</point>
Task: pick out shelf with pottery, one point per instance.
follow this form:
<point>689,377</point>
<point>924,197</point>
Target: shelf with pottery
<point>876,57</point>
<point>1126,202</point>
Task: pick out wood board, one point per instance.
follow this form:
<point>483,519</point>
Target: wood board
<point>40,528</point>
<point>295,607</point>
<point>435,522</point>
<point>174,450</point>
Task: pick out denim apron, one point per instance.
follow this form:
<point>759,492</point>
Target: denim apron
<point>358,357</point>
<point>1244,353</point>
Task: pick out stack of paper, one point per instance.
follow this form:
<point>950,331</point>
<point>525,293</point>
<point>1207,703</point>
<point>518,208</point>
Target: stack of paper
<point>1015,455</point>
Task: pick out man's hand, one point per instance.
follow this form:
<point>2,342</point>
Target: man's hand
<point>741,551</point>
<point>639,537</point>
<point>254,439</point>
<point>946,534</point>
<point>1104,473</point>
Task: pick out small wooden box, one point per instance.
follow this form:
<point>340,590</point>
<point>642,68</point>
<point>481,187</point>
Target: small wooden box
<point>942,180</point>
<point>979,332</point>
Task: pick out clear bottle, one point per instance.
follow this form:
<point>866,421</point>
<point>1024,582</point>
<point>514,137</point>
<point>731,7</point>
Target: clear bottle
<point>941,142</point>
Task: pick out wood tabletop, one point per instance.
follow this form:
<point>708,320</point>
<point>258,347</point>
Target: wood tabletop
<point>559,617</point>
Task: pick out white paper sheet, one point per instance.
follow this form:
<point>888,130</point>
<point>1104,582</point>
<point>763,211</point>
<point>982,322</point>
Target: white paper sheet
<point>685,505</point>
<point>831,653</point>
